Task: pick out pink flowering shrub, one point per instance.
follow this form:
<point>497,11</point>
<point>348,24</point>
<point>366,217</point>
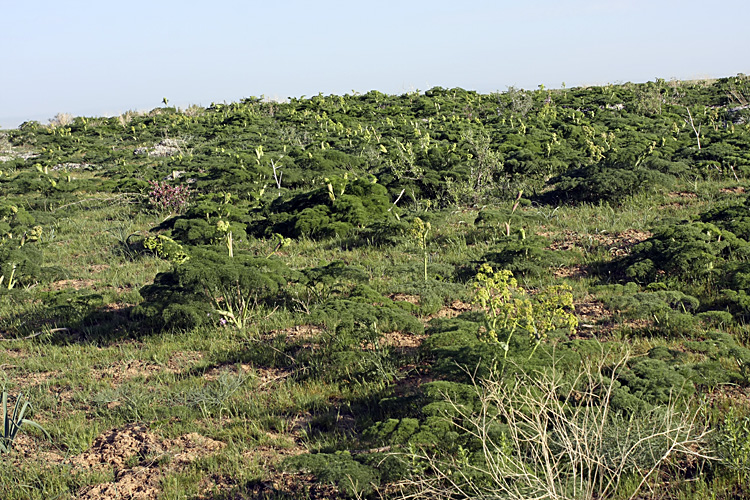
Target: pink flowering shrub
<point>168,198</point>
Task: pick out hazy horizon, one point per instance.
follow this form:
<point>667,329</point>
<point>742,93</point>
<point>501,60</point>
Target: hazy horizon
<point>100,59</point>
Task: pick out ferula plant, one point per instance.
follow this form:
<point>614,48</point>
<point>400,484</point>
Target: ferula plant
<point>224,227</point>
<point>509,308</point>
<point>419,230</point>
<point>166,248</point>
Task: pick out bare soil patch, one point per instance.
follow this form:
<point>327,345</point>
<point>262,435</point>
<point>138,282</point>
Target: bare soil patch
<point>454,309</point>
<point>299,332</point>
<point>97,268</point>
<point>403,297</point>
<point>682,194</point>
<point>77,284</point>
<point>125,370</point>
<point>182,359</point>
<point>594,319</point>
<point>139,459</point>
<point>410,385</point>
<point>730,396</point>
<point>618,244</point>
<point>34,379</point>
<point>402,341</point>
<point>578,271</point>
<point>216,372</point>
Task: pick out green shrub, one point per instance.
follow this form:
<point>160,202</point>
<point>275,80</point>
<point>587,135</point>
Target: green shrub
<point>335,273</point>
<point>71,307</point>
<point>525,255</point>
<point>202,232</point>
<point>335,209</point>
<point>28,182</point>
<point>737,302</point>
<point>14,221</point>
<point>321,164</point>
<point>351,348</point>
<point>22,259</point>
<point>127,185</point>
<point>211,286</point>
<point>653,381</point>
<point>720,346</point>
<point>452,332</point>
<point>394,431</point>
<point>610,183</point>
<point>671,310</point>
<point>319,284</point>
<point>210,220</point>
<point>382,233</point>
<point>734,218</point>
<point>716,319</point>
<point>433,294</point>
<point>350,318</point>
<point>432,431</point>
<point>446,398</point>
<point>689,252</point>
<point>339,469</point>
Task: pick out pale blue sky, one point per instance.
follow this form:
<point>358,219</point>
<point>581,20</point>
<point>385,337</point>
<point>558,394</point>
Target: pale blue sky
<point>102,58</point>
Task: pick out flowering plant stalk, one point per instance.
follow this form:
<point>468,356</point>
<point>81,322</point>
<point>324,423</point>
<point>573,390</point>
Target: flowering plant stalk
<point>509,308</point>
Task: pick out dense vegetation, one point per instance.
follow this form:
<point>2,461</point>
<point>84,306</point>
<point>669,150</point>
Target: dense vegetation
<point>364,296</point>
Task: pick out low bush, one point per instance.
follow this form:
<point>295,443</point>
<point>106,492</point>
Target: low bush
<point>734,217</point>
<point>690,252</point>
<point>335,209</point>
<point>22,257</point>
<point>339,469</point>
<point>672,311</point>
<point>352,316</point>
<point>525,255</point>
<point>432,295</point>
<point>609,183</point>
<point>209,220</point>
<point>211,287</point>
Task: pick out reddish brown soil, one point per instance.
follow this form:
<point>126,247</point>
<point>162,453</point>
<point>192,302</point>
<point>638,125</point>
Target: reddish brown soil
<point>618,244</point>
<point>137,457</point>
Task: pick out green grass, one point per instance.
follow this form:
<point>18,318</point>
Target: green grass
<point>290,382</point>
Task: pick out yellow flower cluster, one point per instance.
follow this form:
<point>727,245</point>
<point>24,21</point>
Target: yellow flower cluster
<point>509,308</point>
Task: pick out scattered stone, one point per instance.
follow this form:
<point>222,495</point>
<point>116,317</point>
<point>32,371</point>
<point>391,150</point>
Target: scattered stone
<point>11,155</point>
<point>167,147</point>
<point>176,174</point>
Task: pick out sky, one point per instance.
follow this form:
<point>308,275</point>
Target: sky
<point>101,58</point>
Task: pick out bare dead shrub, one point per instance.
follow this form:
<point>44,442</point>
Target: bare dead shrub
<point>543,436</point>
<point>61,120</point>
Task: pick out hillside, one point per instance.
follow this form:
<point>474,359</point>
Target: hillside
<point>528,294</point>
